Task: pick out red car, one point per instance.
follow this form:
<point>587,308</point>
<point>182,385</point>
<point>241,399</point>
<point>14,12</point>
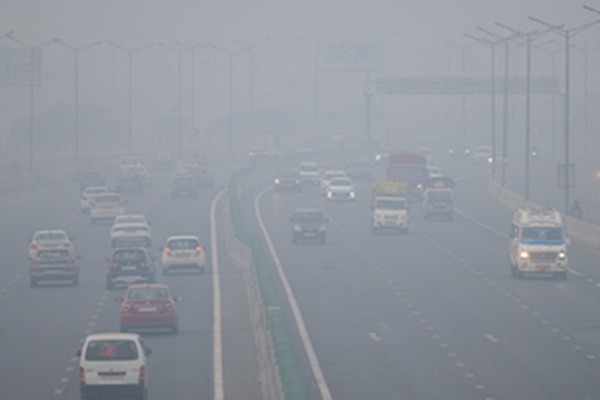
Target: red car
<point>149,306</point>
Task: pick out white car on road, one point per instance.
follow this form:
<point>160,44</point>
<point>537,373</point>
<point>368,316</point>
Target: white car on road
<point>183,252</point>
<point>309,172</point>
<point>88,195</point>
<point>341,189</point>
<point>328,176</point>
<point>131,219</point>
<point>106,207</point>
<point>113,364</point>
<point>130,235</point>
<point>53,239</point>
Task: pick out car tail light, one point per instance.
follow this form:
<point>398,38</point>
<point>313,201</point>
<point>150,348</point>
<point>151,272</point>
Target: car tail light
<point>33,246</point>
<point>81,373</point>
<point>142,372</point>
<point>168,250</point>
<point>113,265</point>
<point>198,249</point>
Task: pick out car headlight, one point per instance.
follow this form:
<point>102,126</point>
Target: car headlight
<point>277,181</point>
<point>490,160</point>
<point>524,254</point>
<point>562,255</point>
<point>329,194</point>
<point>297,228</point>
<point>352,194</point>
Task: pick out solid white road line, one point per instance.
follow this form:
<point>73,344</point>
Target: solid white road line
<point>308,347</point>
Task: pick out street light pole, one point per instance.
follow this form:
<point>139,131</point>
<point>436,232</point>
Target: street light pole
<point>32,49</point>
<point>529,37</point>
<point>317,43</point>
<point>130,53</point>
<point>179,100</point>
<point>567,33</point>
<point>231,55</point>
<point>76,51</point>
<point>193,48</point>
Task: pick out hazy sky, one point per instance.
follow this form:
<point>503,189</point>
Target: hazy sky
<point>283,62</point>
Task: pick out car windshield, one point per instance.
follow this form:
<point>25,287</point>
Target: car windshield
<point>391,204</point>
<point>53,255</point>
<point>130,220</point>
<point>50,236</point>
<point>108,199</point>
<point>129,255</point>
<point>182,244</point>
<point>107,350</point>
<point>541,235</point>
<point>341,182</point>
<point>148,293</point>
<point>308,216</point>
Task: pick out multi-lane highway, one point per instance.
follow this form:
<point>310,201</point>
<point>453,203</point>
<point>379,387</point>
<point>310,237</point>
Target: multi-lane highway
<point>435,314</point>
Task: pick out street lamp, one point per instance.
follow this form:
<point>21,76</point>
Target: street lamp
<point>567,33</point>
<point>179,102</point>
<point>250,47</point>
<point>76,51</point>
<point>32,48</point>
<point>231,54</point>
<point>529,37</point>
<point>130,53</point>
<point>317,44</point>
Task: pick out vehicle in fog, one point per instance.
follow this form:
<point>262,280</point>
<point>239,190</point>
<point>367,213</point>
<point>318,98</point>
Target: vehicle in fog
<point>148,306</point>
<point>341,189</point>
<point>127,265</point>
<point>410,168</point>
<point>483,153</point>
<point>328,175</point>
<point>113,365</point>
<point>184,186</point>
<point>390,208</point>
<point>130,235</point>
<point>258,153</point>
<point>183,252</point>
<point>106,207</point>
<point>88,195</point>
<point>309,224</point>
<point>287,181</point>
<point>360,169</point>
<point>128,162</point>
<point>433,171</point>
<point>438,202</point>
<point>54,265</point>
<point>185,166</point>
<point>537,242</point>
<point>130,183</point>
<point>203,176</point>
<point>130,219</point>
<point>309,172</point>
<point>90,178</point>
<point>52,239</point>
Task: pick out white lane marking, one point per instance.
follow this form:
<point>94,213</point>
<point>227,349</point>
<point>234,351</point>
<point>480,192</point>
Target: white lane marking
<point>481,224</point>
<point>491,338</point>
<point>374,336</point>
<point>218,384</point>
<point>310,351</point>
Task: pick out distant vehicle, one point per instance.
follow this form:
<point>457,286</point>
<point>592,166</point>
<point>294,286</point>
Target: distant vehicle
<point>257,153</point>
<point>113,364</point>
<point>287,181</point>
<point>106,207</point>
<point>408,168</point>
<point>185,166</point>
<point>309,172</point>
<point>141,172</point>
<point>184,186</point>
<point>438,202</point>
<point>341,189</point>
<point>88,195</point>
<point>54,265</point>
<point>130,219</point>
<point>131,183</point>
<point>164,160</point>
<point>360,169</point>
<point>127,265</point>
<point>127,162</point>
<point>483,153</point>
<point>149,306</point>
<point>309,224</point>
<point>52,239</point>
<point>90,178</point>
<point>538,243</point>
<point>328,176</point>
<point>203,176</point>
<point>183,252</point>
<point>130,235</point>
<point>390,208</point>
<point>434,171</point>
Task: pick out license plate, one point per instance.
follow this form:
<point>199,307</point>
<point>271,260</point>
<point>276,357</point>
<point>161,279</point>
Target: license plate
<point>129,268</point>
<point>544,266</point>
<point>182,255</point>
<point>147,309</point>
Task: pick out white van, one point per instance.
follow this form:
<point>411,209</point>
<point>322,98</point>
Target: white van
<point>537,242</point>
<point>113,365</point>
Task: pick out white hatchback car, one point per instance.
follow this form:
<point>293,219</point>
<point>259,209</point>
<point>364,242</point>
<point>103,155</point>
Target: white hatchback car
<point>127,162</point>
<point>131,219</point>
<point>341,189</point>
<point>49,240</point>
<point>183,252</point>
<point>309,172</point>
<point>106,206</point>
<point>88,195</point>
<point>328,176</point>
<point>113,365</point>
